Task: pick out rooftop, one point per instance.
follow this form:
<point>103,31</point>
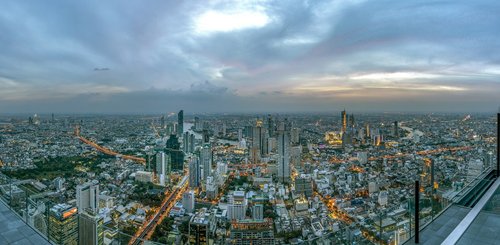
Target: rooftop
<point>14,231</point>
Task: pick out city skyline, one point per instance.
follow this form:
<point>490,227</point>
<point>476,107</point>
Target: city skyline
<point>249,56</point>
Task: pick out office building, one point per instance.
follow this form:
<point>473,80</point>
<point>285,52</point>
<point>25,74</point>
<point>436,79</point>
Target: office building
<point>395,129</point>
<point>87,196</point>
<point>206,160</point>
<point>175,153</point>
<point>211,187</point>
<point>90,229</point>
<point>201,228</point>
<point>237,207</point>
<point>161,167</point>
<point>294,136</point>
<point>198,125</point>
<point>259,142</point>
<point>283,154</point>
<point>247,232</point>
<point>63,224</point>
<point>194,172</point>
<point>180,123</point>
<point>188,199</point>
<point>343,117</point>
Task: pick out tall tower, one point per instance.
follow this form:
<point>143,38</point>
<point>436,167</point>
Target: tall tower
<point>90,229</point>
<point>180,123</point>
<point>87,196</point>
<point>206,160</point>
<point>498,143</point>
<point>256,151</point>
<point>161,167</point>
<point>283,153</point>
<point>194,173</point>
<point>343,115</point>
<point>396,129</point>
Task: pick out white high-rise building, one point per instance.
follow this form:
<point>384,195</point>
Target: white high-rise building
<point>87,196</point>
<point>188,201</point>
<point>211,187</point>
<point>283,154</point>
<point>206,160</point>
<point>236,210</point>
<point>161,167</point>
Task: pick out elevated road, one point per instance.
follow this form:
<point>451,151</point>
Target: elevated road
<point>171,197</point>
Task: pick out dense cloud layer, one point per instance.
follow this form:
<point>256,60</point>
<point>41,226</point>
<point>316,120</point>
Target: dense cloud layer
<point>224,56</point>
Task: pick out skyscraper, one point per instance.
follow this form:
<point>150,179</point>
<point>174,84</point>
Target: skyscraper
<point>206,160</point>
<point>188,201</point>
<point>237,206</point>
<point>87,196</point>
<point>395,130</point>
<point>295,136</point>
<point>256,141</point>
<point>90,229</point>
<point>161,167</point>
<point>63,224</point>
<point>180,123</point>
<point>343,116</point>
<point>194,173</point>
<point>283,153</point>
<point>176,155</point>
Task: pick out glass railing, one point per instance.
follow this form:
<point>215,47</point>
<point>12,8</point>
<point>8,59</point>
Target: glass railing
<point>33,208</point>
<point>396,224</point>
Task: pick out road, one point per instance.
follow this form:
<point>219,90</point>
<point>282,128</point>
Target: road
<point>111,152</point>
<point>171,197</point>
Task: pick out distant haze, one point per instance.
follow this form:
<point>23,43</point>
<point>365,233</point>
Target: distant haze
<point>249,56</point>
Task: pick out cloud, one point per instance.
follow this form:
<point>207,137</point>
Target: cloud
<point>250,52</point>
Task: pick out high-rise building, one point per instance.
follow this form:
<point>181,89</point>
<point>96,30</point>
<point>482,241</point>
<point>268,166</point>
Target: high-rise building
<point>245,232</point>
<point>271,127</point>
<point>206,160</point>
<point>211,187</point>
<point>259,142</point>
<point>283,154</point>
<point>198,125</point>
<point>258,212</point>
<point>90,229</point>
<point>255,150</point>
<point>63,224</point>
<point>368,130</point>
<point>343,116</point>
<point>162,122</point>
<point>194,172</point>
<point>192,142</point>
<point>176,154</point>
<point>237,206</point>
<point>87,196</point>
<point>294,136</point>
<point>188,201</point>
<point>161,167</point>
<point>395,130</point>
<point>201,227</point>
<point>180,123</point>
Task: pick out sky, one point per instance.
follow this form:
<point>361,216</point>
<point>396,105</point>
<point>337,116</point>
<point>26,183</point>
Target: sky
<point>249,56</point>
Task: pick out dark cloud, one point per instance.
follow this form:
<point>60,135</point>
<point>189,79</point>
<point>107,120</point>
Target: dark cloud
<point>308,55</point>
